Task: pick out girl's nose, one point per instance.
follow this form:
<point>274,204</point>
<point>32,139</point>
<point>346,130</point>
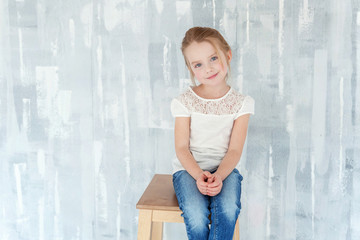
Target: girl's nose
<point>208,68</point>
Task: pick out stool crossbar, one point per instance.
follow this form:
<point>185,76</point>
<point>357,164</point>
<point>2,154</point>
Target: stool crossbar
<point>159,204</point>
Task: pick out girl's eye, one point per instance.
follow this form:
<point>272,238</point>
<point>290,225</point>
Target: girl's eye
<point>214,58</point>
<point>197,65</point>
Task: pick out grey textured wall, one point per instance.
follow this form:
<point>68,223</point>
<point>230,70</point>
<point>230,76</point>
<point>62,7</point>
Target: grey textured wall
<point>85,122</point>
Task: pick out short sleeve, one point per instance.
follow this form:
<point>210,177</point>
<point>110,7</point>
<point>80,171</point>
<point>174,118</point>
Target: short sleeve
<point>178,109</point>
<point>247,107</point>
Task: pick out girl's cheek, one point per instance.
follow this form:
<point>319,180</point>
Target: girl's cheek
<point>224,67</point>
<point>197,74</point>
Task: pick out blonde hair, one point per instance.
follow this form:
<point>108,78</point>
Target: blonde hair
<point>205,34</point>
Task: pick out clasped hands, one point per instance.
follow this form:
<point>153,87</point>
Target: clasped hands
<point>209,184</point>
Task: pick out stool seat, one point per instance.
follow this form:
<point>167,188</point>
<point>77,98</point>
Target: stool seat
<point>159,195</point>
<point>159,204</point>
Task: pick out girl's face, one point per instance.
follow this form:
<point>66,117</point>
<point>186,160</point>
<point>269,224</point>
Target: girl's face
<point>205,63</point>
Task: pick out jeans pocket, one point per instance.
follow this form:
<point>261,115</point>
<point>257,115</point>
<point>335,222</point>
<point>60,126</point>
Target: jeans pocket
<point>176,174</point>
<point>238,174</point>
<point>241,177</point>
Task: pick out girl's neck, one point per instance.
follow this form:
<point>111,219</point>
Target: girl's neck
<point>211,92</point>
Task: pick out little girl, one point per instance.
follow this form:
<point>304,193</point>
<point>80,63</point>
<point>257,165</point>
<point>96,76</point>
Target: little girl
<point>210,130</point>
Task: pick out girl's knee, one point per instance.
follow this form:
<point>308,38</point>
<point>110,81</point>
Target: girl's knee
<point>231,211</point>
<point>196,219</point>
<point>227,208</point>
<point>195,208</point>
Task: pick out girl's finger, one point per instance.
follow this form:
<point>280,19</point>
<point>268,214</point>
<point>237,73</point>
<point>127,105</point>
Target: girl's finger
<point>202,184</point>
<point>202,189</point>
<point>216,183</point>
<point>212,190</point>
<point>212,194</point>
<point>207,174</point>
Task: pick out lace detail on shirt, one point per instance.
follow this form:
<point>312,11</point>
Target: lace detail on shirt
<point>229,104</point>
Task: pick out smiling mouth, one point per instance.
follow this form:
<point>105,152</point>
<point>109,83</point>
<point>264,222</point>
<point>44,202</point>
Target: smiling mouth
<point>213,76</point>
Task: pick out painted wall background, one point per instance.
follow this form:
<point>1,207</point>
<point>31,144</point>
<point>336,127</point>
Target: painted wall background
<point>85,122</point>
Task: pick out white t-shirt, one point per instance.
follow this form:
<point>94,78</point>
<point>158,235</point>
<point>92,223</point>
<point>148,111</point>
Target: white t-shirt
<point>211,124</point>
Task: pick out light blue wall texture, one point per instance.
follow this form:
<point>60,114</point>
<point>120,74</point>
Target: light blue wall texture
<point>85,122</point>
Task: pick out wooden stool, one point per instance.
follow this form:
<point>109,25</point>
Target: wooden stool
<point>159,204</point>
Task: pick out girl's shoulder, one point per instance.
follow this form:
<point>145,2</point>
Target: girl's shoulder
<point>186,96</point>
<point>243,104</point>
<point>179,105</point>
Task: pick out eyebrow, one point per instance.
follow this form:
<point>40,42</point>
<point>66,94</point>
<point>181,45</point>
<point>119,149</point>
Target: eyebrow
<point>199,60</point>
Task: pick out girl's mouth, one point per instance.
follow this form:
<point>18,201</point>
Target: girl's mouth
<point>213,76</point>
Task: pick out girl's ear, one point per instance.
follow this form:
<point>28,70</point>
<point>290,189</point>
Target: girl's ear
<point>229,55</point>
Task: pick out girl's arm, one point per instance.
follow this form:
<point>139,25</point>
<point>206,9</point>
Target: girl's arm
<point>182,140</point>
<point>237,140</point>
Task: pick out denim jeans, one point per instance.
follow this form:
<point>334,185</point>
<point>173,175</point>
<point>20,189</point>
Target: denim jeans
<point>224,207</point>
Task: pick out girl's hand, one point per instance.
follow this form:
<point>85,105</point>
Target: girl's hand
<point>202,182</point>
<point>215,185</point>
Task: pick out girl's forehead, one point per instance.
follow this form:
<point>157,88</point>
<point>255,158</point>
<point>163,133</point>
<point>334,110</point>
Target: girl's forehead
<point>199,50</point>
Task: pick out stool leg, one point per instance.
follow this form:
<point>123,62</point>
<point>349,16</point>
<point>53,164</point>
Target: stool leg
<point>157,231</point>
<point>144,225</point>
<point>236,231</point>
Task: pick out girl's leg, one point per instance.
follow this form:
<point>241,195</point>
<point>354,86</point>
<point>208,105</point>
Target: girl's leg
<point>194,205</point>
<point>225,208</point>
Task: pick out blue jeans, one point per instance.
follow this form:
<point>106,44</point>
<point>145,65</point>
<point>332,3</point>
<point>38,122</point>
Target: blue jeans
<point>224,207</point>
